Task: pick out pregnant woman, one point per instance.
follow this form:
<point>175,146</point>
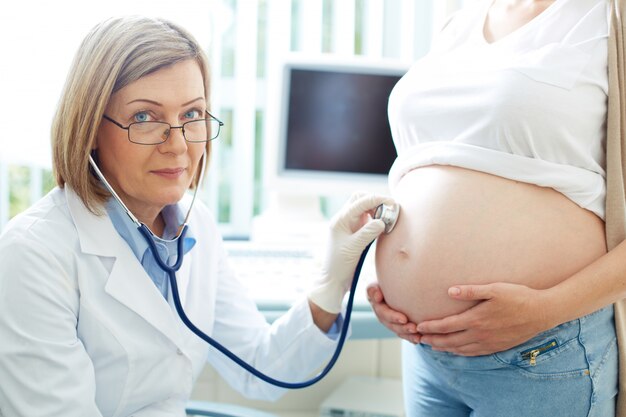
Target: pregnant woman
<point>498,268</point>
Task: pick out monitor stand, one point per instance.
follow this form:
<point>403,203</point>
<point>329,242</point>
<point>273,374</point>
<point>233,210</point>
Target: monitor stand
<point>291,218</point>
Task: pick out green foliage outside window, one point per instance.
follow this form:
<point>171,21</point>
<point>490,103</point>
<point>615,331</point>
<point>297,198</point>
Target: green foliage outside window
<point>20,178</point>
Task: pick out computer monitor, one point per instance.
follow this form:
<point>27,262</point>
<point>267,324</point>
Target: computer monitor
<point>328,119</point>
<point>333,129</point>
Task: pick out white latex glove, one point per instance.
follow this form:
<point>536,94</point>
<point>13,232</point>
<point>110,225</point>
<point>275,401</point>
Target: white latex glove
<point>347,240</point>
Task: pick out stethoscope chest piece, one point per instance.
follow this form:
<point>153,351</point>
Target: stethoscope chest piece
<point>388,214</point>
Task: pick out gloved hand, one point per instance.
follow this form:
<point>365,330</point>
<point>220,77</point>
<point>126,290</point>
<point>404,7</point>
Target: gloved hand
<point>348,238</point>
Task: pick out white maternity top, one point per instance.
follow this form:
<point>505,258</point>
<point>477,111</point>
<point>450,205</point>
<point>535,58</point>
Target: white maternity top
<point>530,107</point>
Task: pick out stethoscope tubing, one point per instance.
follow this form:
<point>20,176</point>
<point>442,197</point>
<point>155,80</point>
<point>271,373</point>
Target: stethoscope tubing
<point>171,271</point>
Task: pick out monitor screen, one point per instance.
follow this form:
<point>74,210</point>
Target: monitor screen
<point>333,125</point>
<point>338,122</point>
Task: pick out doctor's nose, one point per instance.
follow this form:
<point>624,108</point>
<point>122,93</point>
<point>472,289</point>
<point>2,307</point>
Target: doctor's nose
<point>174,140</point>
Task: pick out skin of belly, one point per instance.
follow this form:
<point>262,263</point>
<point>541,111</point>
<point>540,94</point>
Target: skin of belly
<point>458,226</point>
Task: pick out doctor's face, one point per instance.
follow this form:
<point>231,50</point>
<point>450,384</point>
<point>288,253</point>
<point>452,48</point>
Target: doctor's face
<point>149,177</point>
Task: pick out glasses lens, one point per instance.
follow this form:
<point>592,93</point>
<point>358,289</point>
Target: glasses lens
<point>148,133</point>
<point>196,131</point>
<point>214,128</point>
<point>201,130</point>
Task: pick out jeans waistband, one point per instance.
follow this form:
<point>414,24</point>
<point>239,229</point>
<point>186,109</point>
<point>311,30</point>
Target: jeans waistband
<point>597,325</point>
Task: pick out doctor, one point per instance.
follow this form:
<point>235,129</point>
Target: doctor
<point>87,325</point>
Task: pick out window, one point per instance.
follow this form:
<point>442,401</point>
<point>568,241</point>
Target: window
<point>245,40</point>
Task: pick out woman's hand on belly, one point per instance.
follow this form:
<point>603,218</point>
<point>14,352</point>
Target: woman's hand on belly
<point>506,315</point>
<point>394,320</point>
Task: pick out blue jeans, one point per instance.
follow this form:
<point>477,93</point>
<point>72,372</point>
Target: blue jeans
<point>570,370</point>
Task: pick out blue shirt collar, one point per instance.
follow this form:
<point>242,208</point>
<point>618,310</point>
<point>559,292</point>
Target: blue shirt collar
<point>173,217</point>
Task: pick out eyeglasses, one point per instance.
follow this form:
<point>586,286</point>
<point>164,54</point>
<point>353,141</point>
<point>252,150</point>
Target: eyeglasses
<point>154,133</point>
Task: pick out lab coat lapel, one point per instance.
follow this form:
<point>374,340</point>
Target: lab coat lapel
<point>130,285</point>
<point>128,282</point>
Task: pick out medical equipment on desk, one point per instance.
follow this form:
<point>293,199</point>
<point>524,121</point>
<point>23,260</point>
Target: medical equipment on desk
<point>388,214</point>
<point>264,266</point>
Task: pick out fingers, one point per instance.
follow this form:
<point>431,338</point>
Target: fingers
<point>359,209</point>
<point>370,231</point>
<point>446,342</point>
<point>366,202</point>
<point>376,299</point>
<point>394,318</point>
<point>395,321</point>
<point>461,343</point>
<point>458,322</point>
<point>406,331</point>
<point>447,325</point>
<point>355,196</point>
<point>374,293</point>
<point>471,292</point>
<point>462,321</point>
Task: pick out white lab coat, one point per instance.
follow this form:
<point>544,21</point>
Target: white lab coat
<point>84,331</point>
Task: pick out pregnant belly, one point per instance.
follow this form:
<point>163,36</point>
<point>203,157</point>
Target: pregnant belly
<point>459,226</point>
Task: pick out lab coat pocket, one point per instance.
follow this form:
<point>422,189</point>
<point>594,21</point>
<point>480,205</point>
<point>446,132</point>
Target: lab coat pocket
<point>555,64</point>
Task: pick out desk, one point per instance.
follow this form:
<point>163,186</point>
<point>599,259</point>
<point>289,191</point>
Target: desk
<point>263,268</point>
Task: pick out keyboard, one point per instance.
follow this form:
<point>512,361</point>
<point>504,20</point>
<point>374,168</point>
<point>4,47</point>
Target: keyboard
<point>280,274</point>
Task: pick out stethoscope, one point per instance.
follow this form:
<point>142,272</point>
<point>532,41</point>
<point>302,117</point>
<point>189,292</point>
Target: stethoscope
<point>388,214</point>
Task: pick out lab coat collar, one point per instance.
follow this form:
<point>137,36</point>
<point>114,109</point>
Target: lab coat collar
<point>94,232</point>
<point>128,282</point>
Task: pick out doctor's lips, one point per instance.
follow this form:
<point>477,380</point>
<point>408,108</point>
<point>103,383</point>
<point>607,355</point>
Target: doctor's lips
<point>171,173</point>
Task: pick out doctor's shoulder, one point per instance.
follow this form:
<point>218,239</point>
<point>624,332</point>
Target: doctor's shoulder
<point>44,231</point>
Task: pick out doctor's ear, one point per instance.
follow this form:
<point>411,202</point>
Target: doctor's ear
<point>94,144</point>
<point>96,138</point>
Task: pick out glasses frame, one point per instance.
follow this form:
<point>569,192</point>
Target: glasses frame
<point>182,127</point>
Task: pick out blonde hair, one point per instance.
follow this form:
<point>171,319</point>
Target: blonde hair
<point>114,54</point>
